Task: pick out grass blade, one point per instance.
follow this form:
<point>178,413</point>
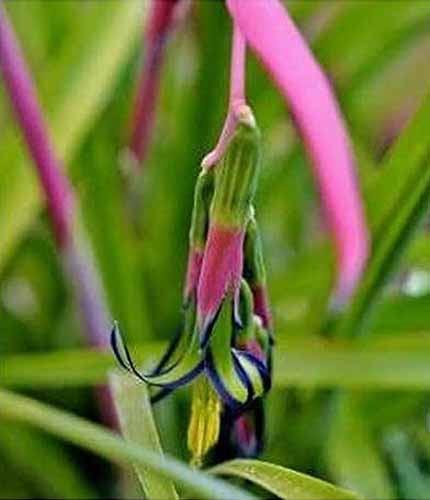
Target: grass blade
<point>95,438</point>
<point>364,469</point>
<point>382,262</point>
<point>282,482</point>
<point>392,361</point>
<point>138,427</point>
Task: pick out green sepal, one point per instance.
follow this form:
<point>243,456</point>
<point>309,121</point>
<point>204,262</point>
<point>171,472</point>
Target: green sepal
<point>254,269</point>
<point>253,374</point>
<point>246,307</point>
<point>220,347</point>
<point>189,361</point>
<point>200,216</point>
<point>236,176</point>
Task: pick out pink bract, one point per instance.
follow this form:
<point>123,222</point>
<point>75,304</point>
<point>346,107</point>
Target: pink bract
<point>271,33</point>
<point>221,271</point>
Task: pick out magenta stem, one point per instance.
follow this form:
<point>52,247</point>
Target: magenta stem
<point>237,101</point>
<point>58,192</point>
<point>29,116</point>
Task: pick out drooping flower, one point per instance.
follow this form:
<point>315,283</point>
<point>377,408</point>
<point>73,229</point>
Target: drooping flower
<point>221,350</point>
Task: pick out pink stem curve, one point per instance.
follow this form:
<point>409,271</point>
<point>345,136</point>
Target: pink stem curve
<point>271,33</point>
<point>237,100</point>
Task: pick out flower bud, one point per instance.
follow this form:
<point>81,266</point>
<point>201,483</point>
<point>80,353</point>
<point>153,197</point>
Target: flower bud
<point>234,189</point>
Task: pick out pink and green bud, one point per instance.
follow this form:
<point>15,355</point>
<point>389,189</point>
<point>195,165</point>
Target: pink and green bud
<point>235,181</point>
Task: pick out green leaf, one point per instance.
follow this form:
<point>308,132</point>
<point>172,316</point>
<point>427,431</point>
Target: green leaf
<point>138,427</point>
<point>87,92</point>
<point>399,172</point>
<point>65,368</point>
<point>396,230</point>
<point>352,455</point>
<point>390,361</point>
<point>95,438</point>
<point>282,482</point>
<point>23,448</point>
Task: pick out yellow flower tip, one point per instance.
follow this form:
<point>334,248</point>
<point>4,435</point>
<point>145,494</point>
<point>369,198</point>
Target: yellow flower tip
<point>204,425</point>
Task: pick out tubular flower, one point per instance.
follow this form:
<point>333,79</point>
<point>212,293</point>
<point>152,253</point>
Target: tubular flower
<point>224,349</point>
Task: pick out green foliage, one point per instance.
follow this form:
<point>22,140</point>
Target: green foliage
<point>282,482</point>
<point>138,427</point>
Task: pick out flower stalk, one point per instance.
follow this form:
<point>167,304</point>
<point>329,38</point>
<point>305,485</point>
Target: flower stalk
<point>162,17</point>
<point>272,35</point>
<point>237,107</point>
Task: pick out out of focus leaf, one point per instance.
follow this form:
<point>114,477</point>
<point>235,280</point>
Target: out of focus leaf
<point>404,167</point>
<point>64,368</point>
<point>106,444</point>
<point>282,482</point>
<point>403,208</point>
<point>391,361</point>
<point>138,427</point>
<point>23,448</point>
<point>352,455</point>
<point>413,483</point>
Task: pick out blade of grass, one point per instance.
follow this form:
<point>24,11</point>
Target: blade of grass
<point>138,427</point>
<point>95,438</point>
<point>400,168</point>
<point>398,230</point>
<point>352,455</point>
<point>282,482</point>
<point>390,361</point>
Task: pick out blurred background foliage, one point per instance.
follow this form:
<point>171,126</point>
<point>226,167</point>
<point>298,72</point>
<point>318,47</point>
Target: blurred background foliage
<point>349,408</point>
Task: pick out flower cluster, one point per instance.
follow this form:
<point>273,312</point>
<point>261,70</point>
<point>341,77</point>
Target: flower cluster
<point>225,346</point>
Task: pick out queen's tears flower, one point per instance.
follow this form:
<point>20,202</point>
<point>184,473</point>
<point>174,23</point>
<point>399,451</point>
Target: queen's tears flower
<point>224,347</point>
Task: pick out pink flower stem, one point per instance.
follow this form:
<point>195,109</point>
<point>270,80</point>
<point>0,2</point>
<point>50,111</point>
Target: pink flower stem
<point>29,115</point>
<point>237,101</point>
<point>57,189</point>
<point>271,33</point>
<point>160,21</point>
